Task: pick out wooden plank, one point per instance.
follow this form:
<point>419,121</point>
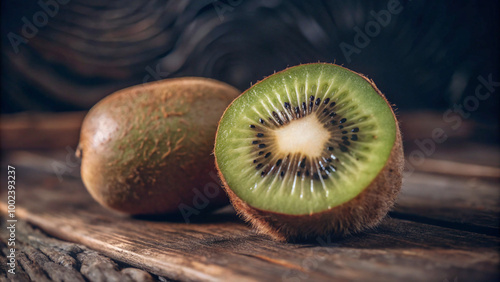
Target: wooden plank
<point>459,169</point>
<point>40,130</point>
<point>221,247</point>
<point>40,258</point>
<point>466,203</point>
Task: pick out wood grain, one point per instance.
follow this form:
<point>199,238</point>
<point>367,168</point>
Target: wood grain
<point>221,247</point>
<point>458,169</point>
<point>40,258</point>
<point>466,203</point>
<point>40,130</point>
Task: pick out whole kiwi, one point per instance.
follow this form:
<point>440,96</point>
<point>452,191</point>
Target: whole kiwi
<point>147,149</point>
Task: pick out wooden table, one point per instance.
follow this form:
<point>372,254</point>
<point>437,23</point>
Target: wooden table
<point>444,228</point>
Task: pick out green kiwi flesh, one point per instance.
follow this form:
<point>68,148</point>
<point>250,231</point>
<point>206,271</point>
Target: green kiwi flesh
<point>310,150</point>
<point>147,149</point>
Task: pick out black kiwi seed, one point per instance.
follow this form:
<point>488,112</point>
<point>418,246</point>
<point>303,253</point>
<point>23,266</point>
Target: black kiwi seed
<point>260,134</point>
<point>261,153</point>
<point>262,146</point>
<point>330,148</point>
<point>312,98</point>
<point>258,166</point>
<point>307,173</point>
<point>345,137</point>
<point>277,117</point>
<point>341,126</point>
<point>254,161</point>
<point>267,155</point>
<point>261,121</point>
<point>318,101</point>
<point>287,105</point>
<point>255,142</point>
<point>332,104</point>
<point>326,101</point>
<point>355,129</point>
<point>287,120</point>
<point>303,163</point>
<point>347,142</point>
<point>343,148</point>
<point>344,132</point>
<point>354,137</point>
<point>342,120</point>
<point>298,173</point>
<point>332,114</point>
<point>252,126</point>
<point>278,163</point>
<point>333,122</point>
<point>282,173</point>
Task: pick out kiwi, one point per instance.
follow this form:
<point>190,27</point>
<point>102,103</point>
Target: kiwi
<point>148,149</point>
<point>310,151</point>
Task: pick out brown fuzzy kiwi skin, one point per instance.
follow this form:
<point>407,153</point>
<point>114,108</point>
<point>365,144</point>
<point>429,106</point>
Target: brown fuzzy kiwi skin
<point>148,149</point>
<point>363,212</point>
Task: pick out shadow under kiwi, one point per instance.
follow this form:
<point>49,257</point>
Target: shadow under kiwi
<point>219,215</point>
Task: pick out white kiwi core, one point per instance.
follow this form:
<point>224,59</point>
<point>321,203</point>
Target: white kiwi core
<point>305,136</point>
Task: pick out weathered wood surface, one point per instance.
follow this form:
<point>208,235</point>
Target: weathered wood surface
<point>470,204</point>
<point>40,130</point>
<point>442,229</point>
<point>41,258</point>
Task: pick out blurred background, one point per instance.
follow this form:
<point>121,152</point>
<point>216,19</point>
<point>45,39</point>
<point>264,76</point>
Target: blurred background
<point>59,57</point>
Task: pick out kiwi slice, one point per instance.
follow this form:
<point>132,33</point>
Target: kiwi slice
<point>312,150</point>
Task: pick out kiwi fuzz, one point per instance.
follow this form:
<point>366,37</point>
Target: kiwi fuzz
<point>147,149</point>
<point>365,210</point>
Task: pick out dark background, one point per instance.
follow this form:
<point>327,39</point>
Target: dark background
<point>428,57</point>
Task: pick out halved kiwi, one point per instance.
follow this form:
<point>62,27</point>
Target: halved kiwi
<point>312,150</point>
